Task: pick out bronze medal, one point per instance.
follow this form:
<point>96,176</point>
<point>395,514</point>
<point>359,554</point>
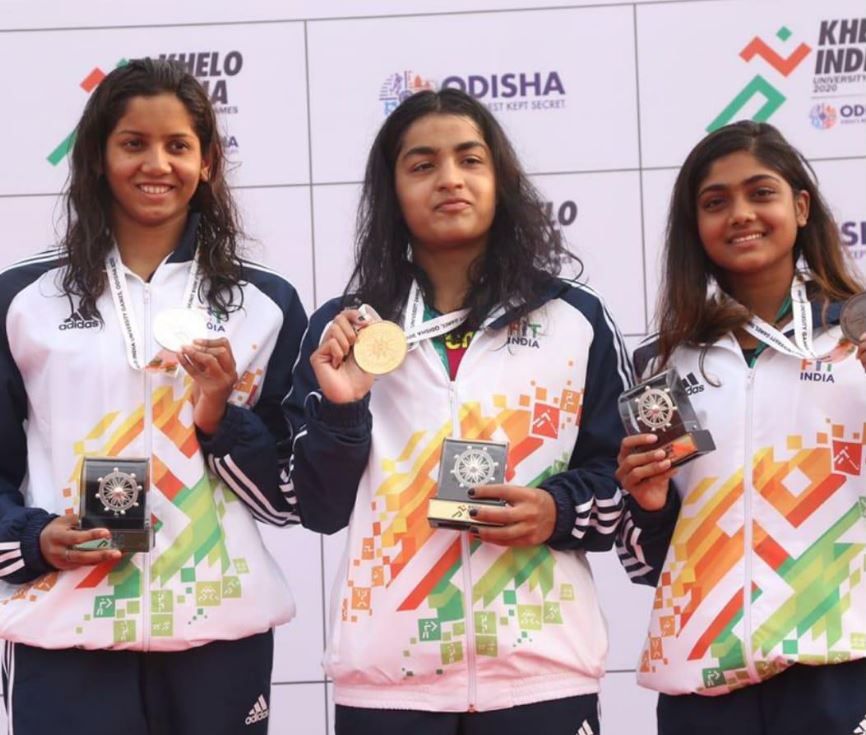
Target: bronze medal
<point>380,348</point>
<point>853,318</point>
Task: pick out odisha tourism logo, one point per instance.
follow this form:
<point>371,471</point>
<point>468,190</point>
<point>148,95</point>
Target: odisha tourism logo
<point>823,116</point>
<point>400,85</point>
<point>508,91</point>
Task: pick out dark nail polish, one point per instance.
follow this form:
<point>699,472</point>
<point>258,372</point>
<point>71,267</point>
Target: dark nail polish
<point>473,512</point>
<point>471,492</point>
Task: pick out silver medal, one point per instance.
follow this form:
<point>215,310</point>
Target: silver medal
<point>174,328</point>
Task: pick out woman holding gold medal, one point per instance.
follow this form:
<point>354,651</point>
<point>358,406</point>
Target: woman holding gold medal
<point>132,581</point>
<point>465,387</point>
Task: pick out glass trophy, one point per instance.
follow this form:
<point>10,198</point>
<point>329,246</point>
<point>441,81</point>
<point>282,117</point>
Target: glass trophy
<point>113,496</point>
<point>465,465</point>
<point>661,406</point>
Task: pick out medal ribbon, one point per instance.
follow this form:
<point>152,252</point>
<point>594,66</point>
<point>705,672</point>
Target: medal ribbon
<point>417,330</point>
<point>123,303</point>
<point>802,312</point>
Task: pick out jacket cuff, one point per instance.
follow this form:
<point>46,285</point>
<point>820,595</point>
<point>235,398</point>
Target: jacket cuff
<point>343,415</point>
<point>566,515</point>
<point>652,520</point>
<point>31,553</point>
<point>228,432</point>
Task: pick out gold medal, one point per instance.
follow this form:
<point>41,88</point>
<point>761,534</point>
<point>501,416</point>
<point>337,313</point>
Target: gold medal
<point>380,348</point>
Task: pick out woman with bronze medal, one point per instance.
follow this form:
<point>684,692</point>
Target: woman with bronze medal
<point>457,408</point>
<point>757,549</point>
<point>127,565</point>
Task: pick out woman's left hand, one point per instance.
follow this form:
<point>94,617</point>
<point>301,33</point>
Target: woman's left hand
<point>527,520</point>
<point>211,365</point>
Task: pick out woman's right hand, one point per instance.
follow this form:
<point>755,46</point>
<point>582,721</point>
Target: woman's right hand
<point>339,376</point>
<point>644,472</point>
<point>60,536</point>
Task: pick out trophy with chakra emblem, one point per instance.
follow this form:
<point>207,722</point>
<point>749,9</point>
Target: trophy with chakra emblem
<point>113,496</point>
<point>662,407</point>
<point>463,466</point>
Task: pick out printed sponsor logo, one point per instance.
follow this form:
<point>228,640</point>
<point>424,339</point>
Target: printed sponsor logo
<point>758,87</point>
<point>536,90</point>
<point>839,72</point>
<point>215,71</point>
<point>524,333</point>
<point>816,371</point>
<point>692,385</point>
<point>560,214</point>
<point>545,420</point>
<point>507,91</point>
<point>216,320</point>
<point>854,238</point>
<point>259,711</point>
<point>76,321</point>
<point>847,457</point>
<point>823,116</point>
<point>398,86</point>
<point>88,84</point>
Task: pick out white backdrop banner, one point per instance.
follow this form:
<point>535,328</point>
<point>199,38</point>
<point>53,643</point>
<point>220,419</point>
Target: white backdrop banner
<point>602,99</point>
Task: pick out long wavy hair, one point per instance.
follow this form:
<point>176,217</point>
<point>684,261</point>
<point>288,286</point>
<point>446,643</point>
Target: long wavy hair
<point>690,309</point>
<point>524,250</point>
<point>88,201</point>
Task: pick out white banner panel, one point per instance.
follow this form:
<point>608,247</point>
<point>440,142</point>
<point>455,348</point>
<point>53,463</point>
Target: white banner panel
<point>561,82</point>
<point>53,14</point>
<point>298,649</point>
<point>599,215</point>
<point>334,210</point>
<point>627,609</point>
<point>264,123</point>
<point>278,224</point>
<point>843,184</point>
<point>564,80</point>
<point>657,186</point>
<point>30,224</point>
<point>798,65</point>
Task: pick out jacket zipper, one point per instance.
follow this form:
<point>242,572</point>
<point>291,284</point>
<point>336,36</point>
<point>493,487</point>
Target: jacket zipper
<point>465,553</point>
<point>148,446</point>
<point>748,530</point>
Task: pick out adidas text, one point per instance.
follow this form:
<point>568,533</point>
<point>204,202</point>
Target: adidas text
<point>76,322</point>
<point>691,385</point>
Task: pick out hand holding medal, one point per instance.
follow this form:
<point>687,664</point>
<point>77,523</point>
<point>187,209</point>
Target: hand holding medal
<point>211,365</point>
<point>339,376</point>
<point>182,333</point>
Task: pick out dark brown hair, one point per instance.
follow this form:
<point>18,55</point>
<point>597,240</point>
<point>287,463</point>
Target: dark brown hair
<point>88,236</point>
<point>687,312</point>
<point>524,250</point>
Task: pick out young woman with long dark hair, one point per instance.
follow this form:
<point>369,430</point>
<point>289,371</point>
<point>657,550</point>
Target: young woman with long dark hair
<point>758,548</point>
<point>142,638</point>
<point>495,629</point>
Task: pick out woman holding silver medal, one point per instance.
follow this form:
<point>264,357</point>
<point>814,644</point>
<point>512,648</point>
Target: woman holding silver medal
<point>497,382</point>
<point>757,549</point>
<point>133,581</point>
